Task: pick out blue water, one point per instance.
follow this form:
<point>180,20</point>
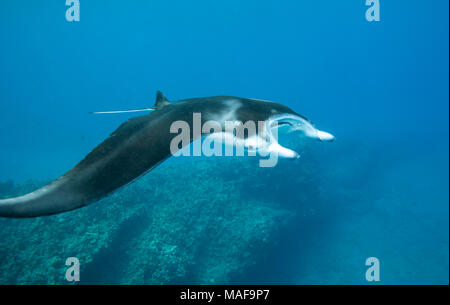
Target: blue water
<point>381,87</point>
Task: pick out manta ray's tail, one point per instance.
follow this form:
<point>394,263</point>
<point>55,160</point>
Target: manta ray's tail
<point>161,101</point>
<point>123,111</point>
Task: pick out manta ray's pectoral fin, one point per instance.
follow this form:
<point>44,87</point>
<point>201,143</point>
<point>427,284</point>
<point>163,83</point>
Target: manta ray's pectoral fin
<point>161,100</point>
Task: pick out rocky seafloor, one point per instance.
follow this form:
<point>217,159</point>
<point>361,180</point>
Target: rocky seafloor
<point>196,220</point>
<point>226,220</point>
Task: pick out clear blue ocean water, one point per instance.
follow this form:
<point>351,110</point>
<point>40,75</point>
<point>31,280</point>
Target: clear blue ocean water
<point>380,87</point>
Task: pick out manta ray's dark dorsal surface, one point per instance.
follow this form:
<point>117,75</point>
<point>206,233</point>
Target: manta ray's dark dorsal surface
<point>135,148</point>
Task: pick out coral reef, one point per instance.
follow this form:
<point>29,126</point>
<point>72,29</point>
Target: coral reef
<point>226,220</point>
<point>192,220</point>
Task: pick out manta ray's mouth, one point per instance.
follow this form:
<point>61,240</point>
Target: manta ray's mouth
<point>289,123</point>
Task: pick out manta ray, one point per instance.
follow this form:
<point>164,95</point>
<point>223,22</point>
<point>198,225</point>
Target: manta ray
<point>143,142</point>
